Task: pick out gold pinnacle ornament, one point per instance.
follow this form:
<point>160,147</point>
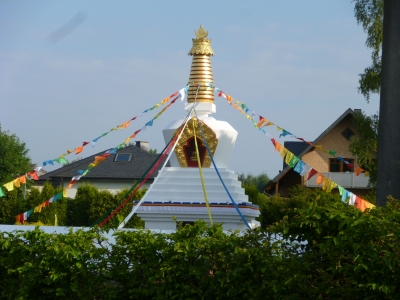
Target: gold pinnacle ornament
<point>201,72</point>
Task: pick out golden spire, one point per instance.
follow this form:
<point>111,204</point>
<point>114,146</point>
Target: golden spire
<point>201,72</point>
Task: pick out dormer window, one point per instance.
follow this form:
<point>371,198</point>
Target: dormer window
<point>123,157</point>
<point>347,133</point>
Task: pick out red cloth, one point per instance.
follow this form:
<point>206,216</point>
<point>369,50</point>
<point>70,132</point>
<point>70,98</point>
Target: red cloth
<point>84,144</point>
<point>33,175</point>
<point>311,174</point>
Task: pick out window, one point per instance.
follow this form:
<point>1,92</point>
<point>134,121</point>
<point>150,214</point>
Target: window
<point>123,157</point>
<point>347,133</point>
<point>336,165</point>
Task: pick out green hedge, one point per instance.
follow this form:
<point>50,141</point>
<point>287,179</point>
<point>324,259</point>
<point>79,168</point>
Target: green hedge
<point>328,250</point>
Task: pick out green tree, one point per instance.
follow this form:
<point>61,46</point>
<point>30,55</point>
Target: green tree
<point>369,13</point>
<point>260,180</point>
<point>364,146</point>
<point>14,160</point>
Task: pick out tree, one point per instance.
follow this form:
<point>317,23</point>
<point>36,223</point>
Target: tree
<point>365,145</point>
<point>369,13</point>
<point>389,121</point>
<point>14,160</point>
<point>381,20</point>
<point>260,180</point>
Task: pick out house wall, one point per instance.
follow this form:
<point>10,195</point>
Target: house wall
<point>319,160</point>
<point>333,140</point>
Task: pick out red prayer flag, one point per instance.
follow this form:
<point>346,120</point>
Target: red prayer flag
<point>273,141</point>
<point>220,93</point>
<point>133,118</point>
<point>33,175</point>
<point>311,174</point>
<point>84,144</point>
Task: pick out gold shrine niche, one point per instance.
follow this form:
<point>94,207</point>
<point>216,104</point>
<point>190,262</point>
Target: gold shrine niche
<point>185,150</point>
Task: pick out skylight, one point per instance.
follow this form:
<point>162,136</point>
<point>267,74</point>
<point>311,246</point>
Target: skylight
<point>123,157</point>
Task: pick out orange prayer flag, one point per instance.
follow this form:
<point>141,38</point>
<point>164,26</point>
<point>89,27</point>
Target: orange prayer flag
<point>22,179</point>
<point>358,171</point>
<point>278,146</point>
<point>262,121</point>
<point>320,178</point>
<point>126,124</point>
<point>78,150</point>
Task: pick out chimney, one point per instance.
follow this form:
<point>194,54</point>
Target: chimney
<point>357,110</point>
<point>142,145</point>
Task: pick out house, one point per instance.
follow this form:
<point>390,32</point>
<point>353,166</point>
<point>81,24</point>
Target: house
<point>336,137</point>
<point>116,172</point>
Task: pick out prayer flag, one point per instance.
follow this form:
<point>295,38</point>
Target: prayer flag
<point>325,183</point>
<point>293,161</point>
<point>320,178</point>
<point>331,186</point>
<point>289,156</point>
<point>299,167</point>
<point>306,168</point>
<point>262,121</point>
<point>34,175</point>
<point>283,152</point>
<point>61,160</point>
<point>311,174</point>
<point>65,193</point>
<point>345,195</point>
<point>2,194</point>
<point>285,133</point>
<point>332,152</point>
<point>17,182</point>
<point>84,144</point>
<point>50,162</point>
<point>70,151</point>
<point>78,150</point>
<point>358,171</point>
<point>150,123</point>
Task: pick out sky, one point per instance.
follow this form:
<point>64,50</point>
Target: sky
<point>72,70</point>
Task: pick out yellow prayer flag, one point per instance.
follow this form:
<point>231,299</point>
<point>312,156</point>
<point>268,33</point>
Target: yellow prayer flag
<point>318,147</point>
<point>17,182</point>
<point>283,152</point>
<point>70,151</point>
<point>331,186</point>
<point>65,193</point>
<point>325,183</point>
<point>9,186</point>
<point>127,140</point>
<point>289,156</point>
<point>278,128</point>
<point>366,174</point>
<point>62,156</point>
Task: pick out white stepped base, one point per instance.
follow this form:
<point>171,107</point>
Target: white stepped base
<point>177,193</point>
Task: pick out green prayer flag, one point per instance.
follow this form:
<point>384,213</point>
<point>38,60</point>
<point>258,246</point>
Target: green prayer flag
<point>104,134</point>
<point>2,193</point>
<point>61,160</point>
<point>293,161</point>
<point>332,152</point>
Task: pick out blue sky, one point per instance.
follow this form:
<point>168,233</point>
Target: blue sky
<point>71,70</point>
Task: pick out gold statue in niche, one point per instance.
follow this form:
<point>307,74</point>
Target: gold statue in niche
<point>185,149</point>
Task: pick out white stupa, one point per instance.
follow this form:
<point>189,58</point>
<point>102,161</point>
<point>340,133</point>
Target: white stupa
<point>177,194</point>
